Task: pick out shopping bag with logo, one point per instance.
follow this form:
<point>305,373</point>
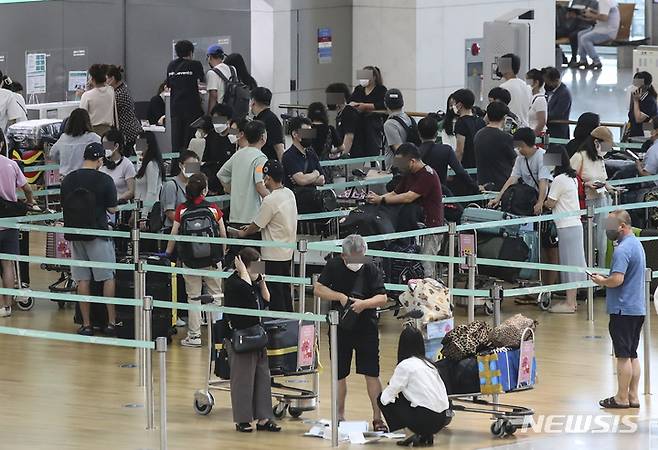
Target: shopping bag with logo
<point>435,332</point>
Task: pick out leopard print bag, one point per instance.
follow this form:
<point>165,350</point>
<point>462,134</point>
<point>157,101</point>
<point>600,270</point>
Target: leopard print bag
<point>466,340</point>
<point>508,333</point>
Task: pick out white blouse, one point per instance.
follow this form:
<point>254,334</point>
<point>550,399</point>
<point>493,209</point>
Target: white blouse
<point>420,383</point>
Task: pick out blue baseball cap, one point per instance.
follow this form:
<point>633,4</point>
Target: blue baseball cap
<point>94,151</point>
<point>215,50</point>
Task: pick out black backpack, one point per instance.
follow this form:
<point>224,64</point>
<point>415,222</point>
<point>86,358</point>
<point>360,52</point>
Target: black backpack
<point>413,135</point>
<point>236,95</point>
<point>199,221</point>
<point>79,210</point>
<point>156,215</point>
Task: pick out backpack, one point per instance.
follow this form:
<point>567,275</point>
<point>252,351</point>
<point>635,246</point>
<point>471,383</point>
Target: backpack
<point>236,95</point>
<point>413,135</point>
<point>156,215</point>
<point>199,221</point>
<point>79,209</point>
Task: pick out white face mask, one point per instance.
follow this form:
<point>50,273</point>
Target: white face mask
<point>455,109</point>
<point>364,83</point>
<point>233,138</point>
<point>108,153</point>
<point>200,134</point>
<point>354,267</point>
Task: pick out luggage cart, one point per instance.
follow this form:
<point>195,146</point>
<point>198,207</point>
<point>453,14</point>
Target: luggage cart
<point>292,400</point>
<point>58,247</point>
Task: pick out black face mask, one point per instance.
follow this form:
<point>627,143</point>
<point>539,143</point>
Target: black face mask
<point>306,142</point>
<point>111,164</point>
<point>498,74</point>
<point>549,88</point>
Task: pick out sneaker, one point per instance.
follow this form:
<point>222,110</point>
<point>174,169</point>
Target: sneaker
<point>110,330</point>
<point>85,331</point>
<point>180,323</point>
<point>5,311</point>
<point>191,341</point>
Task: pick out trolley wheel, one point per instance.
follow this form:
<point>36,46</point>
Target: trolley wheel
<point>25,303</point>
<point>203,404</point>
<point>295,413</point>
<point>544,301</point>
<point>488,307</point>
<point>61,305</point>
<point>498,428</point>
<point>510,429</point>
<point>279,410</point>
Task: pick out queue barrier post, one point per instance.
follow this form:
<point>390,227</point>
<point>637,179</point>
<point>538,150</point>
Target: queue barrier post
<point>647,333</point>
<point>302,247</point>
<point>148,362</point>
<point>496,297</point>
<point>452,233</point>
<point>161,349</point>
<point>471,263</point>
<point>333,337</point>
<point>316,310</point>
<point>140,293</point>
<point>590,260</point>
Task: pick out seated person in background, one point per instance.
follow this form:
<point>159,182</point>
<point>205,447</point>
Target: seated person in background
<point>494,149</point>
<point>416,397</point>
<point>350,279</point>
<point>420,184</point>
<point>649,166</point>
<point>348,120</point>
<point>121,169</point>
<point>326,137</point>
<point>440,156</point>
<point>157,109</point>
<point>528,168</point>
<point>502,95</point>
<point>300,162</point>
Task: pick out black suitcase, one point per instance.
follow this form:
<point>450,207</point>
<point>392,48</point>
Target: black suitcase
<point>221,332</point>
<point>98,311</point>
<point>651,252</point>
<point>511,248</point>
<point>161,286</point>
<point>24,246</point>
<point>459,377</point>
<point>400,271</point>
<point>282,345</point>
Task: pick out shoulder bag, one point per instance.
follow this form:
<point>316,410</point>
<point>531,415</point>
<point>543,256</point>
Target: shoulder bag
<point>249,339</point>
<point>547,228</point>
<point>348,317</point>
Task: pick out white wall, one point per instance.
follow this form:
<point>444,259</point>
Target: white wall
<point>420,44</point>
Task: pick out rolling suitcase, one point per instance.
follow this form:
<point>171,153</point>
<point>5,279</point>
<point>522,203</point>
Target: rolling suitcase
<point>161,286</point>
<point>400,271</point>
<point>511,248</point>
<point>282,345</point>
<point>479,215</point>
<point>531,238</point>
<point>98,311</point>
<point>651,252</point>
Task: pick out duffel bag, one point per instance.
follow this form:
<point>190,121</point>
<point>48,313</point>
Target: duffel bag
<point>466,340</point>
<point>508,333</point>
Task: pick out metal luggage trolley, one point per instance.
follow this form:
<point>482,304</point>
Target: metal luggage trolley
<point>506,418</point>
<point>292,400</point>
<point>58,247</point>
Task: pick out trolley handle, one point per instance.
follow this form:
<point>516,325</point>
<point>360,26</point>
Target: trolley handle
<point>525,330</point>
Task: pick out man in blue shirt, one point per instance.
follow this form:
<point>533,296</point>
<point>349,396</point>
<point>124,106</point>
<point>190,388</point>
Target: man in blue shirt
<point>626,306</point>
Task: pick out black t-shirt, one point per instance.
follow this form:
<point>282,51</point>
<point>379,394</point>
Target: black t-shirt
<point>240,294</point>
<point>218,148</point>
<point>376,96</point>
<point>648,107</point>
<point>156,109</point>
<point>349,121</point>
<point>337,277</point>
<point>326,138</point>
<point>182,77</point>
<point>295,161</point>
<point>439,157</point>
<point>467,126</point>
<point>100,184</point>
<point>274,132</point>
<point>495,155</point>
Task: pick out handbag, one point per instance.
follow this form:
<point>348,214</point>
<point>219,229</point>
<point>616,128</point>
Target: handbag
<point>549,237</point>
<point>12,209</point>
<point>249,339</point>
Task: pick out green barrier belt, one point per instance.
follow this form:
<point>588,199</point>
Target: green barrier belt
<point>456,292</point>
<point>68,297</point>
<point>324,215</point>
<point>627,206</point>
<point>616,144</point>
<point>647,238</point>
<point>470,198</point>
<point>54,166</point>
<point>220,274</point>
<point>348,161</point>
<point>38,217</point>
<point>228,241</point>
<point>8,223</point>
<point>67,337</point>
<point>309,317</point>
<point>537,266</point>
<point>66,262</point>
<point>635,180</point>
<point>39,193</point>
<point>471,171</point>
<point>356,183</point>
<point>550,288</point>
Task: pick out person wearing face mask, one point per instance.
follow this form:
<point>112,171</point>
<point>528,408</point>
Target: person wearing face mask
<point>69,149</point>
<point>508,68</point>
<point>466,126</point>
<point>242,177</point>
<point>195,198</point>
<point>399,126</point>
<point>251,393</point>
<point>420,184</point>
<point>128,123</point>
<point>587,122</point>
<point>589,165</point>
<point>99,101</point>
<point>643,105</point>
<point>173,191</point>
<point>351,281</point>
<point>88,196</point>
<point>219,146</point>
<point>501,95</point>
<point>538,105</point>
<point>261,98</point>
<point>277,221</point>
<point>218,75</point>
<point>300,162</point>
<point>626,306</point>
<point>368,96</point>
<point>157,108</point>
<point>348,121</point>
<point>649,165</point>
<point>117,166</point>
<point>559,103</point>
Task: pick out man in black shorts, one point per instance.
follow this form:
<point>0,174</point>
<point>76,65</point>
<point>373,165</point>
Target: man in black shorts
<point>626,306</point>
<point>350,279</point>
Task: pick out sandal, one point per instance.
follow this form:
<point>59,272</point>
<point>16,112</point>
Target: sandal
<point>561,308</point>
<point>634,405</point>
<point>411,441</point>
<point>270,425</point>
<point>244,427</point>
<point>611,403</point>
<point>379,425</point>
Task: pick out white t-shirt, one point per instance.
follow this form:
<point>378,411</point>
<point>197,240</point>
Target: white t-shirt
<point>148,187</point>
<point>215,83</point>
<point>564,190</point>
<point>120,174</point>
<point>589,170</point>
<point>277,219</point>
<point>99,103</point>
<point>537,105</point>
<point>420,383</point>
<point>21,102</point>
<point>9,109</point>
<point>521,97</point>
<point>610,27</point>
